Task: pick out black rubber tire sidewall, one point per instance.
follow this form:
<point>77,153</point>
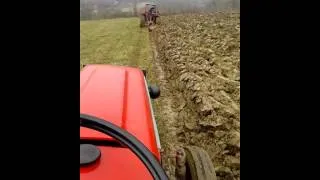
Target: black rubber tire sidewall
<point>199,164</point>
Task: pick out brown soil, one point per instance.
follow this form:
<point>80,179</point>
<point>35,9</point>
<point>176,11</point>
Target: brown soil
<point>197,62</point>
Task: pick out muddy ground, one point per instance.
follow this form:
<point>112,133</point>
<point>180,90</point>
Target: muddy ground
<point>197,62</point>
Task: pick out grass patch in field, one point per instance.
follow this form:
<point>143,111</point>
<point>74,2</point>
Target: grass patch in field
<point>114,41</point>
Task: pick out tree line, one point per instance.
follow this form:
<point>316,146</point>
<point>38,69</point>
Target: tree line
<point>102,9</point>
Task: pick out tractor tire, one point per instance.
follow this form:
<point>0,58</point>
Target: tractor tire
<point>142,21</point>
<point>198,164</point>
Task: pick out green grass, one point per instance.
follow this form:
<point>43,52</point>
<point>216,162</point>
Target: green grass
<point>115,41</point>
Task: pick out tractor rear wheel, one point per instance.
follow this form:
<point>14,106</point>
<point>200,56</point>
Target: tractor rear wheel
<point>198,164</point>
<point>142,21</point>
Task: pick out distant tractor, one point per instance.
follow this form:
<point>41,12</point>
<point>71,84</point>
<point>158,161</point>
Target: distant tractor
<point>148,15</point>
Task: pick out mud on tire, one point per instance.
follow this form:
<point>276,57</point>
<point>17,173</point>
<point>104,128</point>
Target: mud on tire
<point>198,164</point>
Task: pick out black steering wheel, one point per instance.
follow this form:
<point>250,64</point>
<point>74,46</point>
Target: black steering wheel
<point>127,139</point>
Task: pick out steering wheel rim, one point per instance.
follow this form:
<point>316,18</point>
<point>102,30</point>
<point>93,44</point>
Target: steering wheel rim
<point>127,139</point>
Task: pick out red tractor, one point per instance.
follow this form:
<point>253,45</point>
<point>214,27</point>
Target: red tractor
<point>118,133</point>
